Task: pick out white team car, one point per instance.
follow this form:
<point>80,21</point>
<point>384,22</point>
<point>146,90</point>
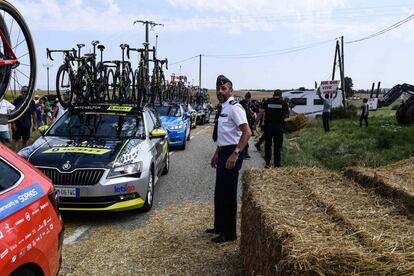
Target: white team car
<point>103,157</point>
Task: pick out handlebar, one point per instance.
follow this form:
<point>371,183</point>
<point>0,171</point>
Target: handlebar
<point>66,52</point>
<point>124,46</point>
<point>140,50</point>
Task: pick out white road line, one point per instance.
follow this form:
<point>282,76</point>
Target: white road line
<point>78,233</point>
<point>172,152</point>
<point>208,126</point>
<point>192,136</point>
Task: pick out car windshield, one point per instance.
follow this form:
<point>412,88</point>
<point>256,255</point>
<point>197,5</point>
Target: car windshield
<point>169,111</point>
<point>108,126</point>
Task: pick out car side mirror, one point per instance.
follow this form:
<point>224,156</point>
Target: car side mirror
<point>43,129</point>
<point>158,133</point>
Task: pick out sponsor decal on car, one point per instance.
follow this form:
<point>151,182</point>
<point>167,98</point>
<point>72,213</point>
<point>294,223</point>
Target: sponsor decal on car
<point>124,188</point>
<point>120,108</point>
<point>13,203</point>
<point>77,150</point>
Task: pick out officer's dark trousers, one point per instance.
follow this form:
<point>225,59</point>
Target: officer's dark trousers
<point>225,194</point>
<point>274,135</point>
<point>363,118</point>
<point>325,119</point>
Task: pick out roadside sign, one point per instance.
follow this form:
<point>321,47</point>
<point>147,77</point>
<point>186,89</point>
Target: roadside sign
<point>372,104</point>
<point>329,87</point>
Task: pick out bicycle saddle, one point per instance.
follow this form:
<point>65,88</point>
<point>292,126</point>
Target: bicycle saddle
<point>123,46</point>
<point>101,47</point>
<point>95,42</point>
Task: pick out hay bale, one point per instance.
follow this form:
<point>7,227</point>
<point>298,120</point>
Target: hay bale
<point>296,122</point>
<point>394,181</point>
<point>309,221</point>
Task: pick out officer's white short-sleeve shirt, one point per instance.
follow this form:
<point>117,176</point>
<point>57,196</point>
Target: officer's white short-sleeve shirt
<point>231,117</point>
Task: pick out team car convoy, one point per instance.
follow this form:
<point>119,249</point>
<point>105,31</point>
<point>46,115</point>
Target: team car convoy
<point>105,153</point>
<point>104,158</point>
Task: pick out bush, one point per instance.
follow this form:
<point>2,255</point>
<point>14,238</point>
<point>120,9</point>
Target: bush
<point>395,107</point>
<point>341,113</point>
<point>9,96</point>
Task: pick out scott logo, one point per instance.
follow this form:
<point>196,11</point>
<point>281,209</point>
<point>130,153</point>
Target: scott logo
<point>124,189</point>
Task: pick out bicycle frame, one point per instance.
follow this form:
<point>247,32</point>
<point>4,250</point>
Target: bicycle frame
<point>13,61</point>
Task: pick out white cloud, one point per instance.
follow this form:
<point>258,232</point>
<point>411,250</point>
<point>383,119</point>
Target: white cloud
<point>304,18</point>
<point>75,15</point>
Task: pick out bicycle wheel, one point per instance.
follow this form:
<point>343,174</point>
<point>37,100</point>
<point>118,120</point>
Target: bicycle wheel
<point>101,80</point>
<point>82,88</point>
<point>17,58</point>
<point>64,86</point>
<point>111,85</point>
<point>5,71</point>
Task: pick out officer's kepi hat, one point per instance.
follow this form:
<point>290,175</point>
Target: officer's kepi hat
<point>221,80</point>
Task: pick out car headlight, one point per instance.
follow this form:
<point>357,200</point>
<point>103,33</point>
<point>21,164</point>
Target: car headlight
<point>133,169</point>
<point>180,126</point>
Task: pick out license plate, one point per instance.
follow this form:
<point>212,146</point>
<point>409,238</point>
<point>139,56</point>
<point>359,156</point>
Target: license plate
<point>68,192</point>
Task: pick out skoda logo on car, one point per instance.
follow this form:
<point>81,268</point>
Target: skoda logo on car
<point>67,166</point>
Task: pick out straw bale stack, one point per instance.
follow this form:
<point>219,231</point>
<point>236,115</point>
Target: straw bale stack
<point>296,122</point>
<point>310,221</point>
<point>395,181</point>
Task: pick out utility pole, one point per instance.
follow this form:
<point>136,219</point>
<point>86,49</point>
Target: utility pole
<point>180,70</point>
<point>156,42</point>
<point>199,76</point>
<point>48,66</point>
<point>335,59</point>
<point>146,43</point>
<point>339,57</point>
<point>343,71</point>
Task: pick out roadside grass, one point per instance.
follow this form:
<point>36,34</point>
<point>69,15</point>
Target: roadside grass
<point>347,144</point>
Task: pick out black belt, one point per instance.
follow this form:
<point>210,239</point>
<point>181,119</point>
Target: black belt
<point>226,147</point>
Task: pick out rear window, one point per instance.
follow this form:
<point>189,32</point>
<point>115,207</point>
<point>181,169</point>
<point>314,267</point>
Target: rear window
<point>8,176</point>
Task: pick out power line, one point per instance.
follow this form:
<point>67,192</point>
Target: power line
<point>184,60</point>
<point>390,28</point>
<point>273,52</point>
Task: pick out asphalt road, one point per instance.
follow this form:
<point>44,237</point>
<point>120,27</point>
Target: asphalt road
<point>190,179</point>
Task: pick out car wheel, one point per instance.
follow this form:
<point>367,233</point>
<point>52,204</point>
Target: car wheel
<point>189,134</point>
<point>167,164</point>
<point>149,199</point>
<point>23,271</point>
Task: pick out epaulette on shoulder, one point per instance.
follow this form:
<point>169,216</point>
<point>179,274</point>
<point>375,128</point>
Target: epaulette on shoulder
<point>233,102</point>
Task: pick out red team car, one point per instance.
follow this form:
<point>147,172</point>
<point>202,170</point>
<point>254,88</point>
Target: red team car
<point>31,228</point>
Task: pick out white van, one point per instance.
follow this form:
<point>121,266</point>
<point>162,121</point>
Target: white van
<point>309,103</point>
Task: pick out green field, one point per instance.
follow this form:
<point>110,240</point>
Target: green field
<point>383,142</point>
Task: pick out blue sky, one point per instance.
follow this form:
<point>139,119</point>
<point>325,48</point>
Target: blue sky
<point>234,27</point>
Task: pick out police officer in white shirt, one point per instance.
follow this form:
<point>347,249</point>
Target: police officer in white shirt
<point>231,135</point>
